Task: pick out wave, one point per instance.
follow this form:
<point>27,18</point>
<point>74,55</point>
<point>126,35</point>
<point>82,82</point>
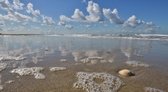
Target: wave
<point>122,36</point>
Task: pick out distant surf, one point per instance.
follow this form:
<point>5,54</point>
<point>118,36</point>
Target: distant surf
<point>123,36</point>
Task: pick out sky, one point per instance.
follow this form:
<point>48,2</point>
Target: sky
<point>82,15</point>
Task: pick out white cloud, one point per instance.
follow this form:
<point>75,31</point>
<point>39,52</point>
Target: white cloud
<point>18,12</point>
<point>150,24</point>
<point>15,16</point>
<point>22,17</point>
<point>94,12</point>
<point>64,18</point>
<point>61,23</point>
<point>132,21</point>
<point>78,15</point>
<point>5,4</point>
<point>93,9</point>
<point>112,16</point>
<point>30,10</point>
<point>9,17</point>
<point>48,20</point>
<point>2,23</point>
<point>95,15</point>
<point>69,27</point>
<point>17,5</point>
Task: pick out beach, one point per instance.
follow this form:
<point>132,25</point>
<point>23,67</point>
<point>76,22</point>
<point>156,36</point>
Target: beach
<point>60,60</point>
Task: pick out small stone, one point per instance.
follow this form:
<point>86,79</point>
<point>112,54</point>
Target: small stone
<point>126,73</point>
<point>53,69</point>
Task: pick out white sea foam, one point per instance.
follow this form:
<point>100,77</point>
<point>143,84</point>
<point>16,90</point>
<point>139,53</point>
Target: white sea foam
<point>149,89</point>
<point>94,60</point>
<point>87,82</point>
<point>92,57</point>
<point>154,35</point>
<point>7,57</point>
<point>136,64</point>
<point>2,66</point>
<point>30,71</point>
<point>53,69</point>
<point>118,36</point>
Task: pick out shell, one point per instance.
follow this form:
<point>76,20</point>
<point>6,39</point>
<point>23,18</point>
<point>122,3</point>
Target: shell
<point>126,73</point>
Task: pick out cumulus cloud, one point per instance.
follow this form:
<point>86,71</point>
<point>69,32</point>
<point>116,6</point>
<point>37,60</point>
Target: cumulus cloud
<point>94,12</point>
<point>93,9</point>
<point>150,24</point>
<point>22,17</point>
<point>48,20</point>
<point>5,4</point>
<point>17,5</point>
<point>30,10</point>
<point>61,23</point>
<point>112,16</point>
<point>9,17</point>
<point>78,15</point>
<point>15,16</point>
<point>18,12</point>
<point>133,21</point>
<point>69,27</point>
<point>63,20</point>
<point>2,23</point>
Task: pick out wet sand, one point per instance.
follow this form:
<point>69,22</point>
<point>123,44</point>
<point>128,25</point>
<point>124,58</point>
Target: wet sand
<point>155,75</point>
<point>62,81</point>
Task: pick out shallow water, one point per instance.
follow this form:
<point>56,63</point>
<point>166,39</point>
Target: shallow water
<point>57,51</point>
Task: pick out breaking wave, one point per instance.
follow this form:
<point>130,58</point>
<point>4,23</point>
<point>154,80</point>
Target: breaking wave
<point>122,36</point>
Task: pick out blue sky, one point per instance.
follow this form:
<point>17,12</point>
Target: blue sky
<point>145,10</point>
<point>150,10</point>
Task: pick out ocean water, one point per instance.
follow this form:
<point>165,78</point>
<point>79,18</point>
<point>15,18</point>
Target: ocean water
<point>82,53</point>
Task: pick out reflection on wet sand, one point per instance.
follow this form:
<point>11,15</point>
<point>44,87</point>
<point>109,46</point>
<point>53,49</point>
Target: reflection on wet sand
<point>80,65</point>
